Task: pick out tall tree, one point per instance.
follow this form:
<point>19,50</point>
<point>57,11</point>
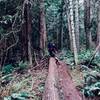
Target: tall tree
<point>92,16</point>
<point>73,31</point>
<point>77,23</point>
<point>29,30</point>
<point>69,24</point>
<point>61,24</point>
<point>87,22</point>
<point>43,35</point>
<point>98,28</point>
<point>26,31</point>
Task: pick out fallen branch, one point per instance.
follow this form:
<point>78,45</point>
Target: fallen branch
<point>93,56</point>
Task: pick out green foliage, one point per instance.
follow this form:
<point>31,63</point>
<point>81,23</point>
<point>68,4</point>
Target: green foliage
<point>85,55</point>
<point>7,69</point>
<point>92,83</point>
<point>91,77</point>
<point>97,60</point>
<point>92,90</point>
<point>67,57</point>
<point>22,65</point>
<point>18,96</point>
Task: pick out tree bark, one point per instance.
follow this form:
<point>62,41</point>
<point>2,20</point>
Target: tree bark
<point>26,32</point>
<point>29,16</point>
<point>92,16</point>
<point>69,25</point>
<point>73,32</point>
<point>61,26</point>
<point>98,28</point>
<point>43,35</point>
<point>24,35</point>
<point>77,23</point>
<point>59,85</point>
<point>87,21</point>
<point>57,39</point>
<point>70,33</point>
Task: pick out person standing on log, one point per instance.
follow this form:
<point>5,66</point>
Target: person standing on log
<point>52,51</point>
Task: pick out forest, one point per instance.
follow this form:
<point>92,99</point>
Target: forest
<point>49,49</point>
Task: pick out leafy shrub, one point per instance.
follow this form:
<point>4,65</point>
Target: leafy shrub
<point>92,90</point>
<point>85,55</point>
<point>92,84</point>
<point>97,60</point>
<point>67,57</point>
<point>22,65</point>
<point>7,69</point>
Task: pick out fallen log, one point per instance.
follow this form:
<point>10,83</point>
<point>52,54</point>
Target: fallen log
<point>59,85</point>
<point>65,81</point>
<point>50,92</point>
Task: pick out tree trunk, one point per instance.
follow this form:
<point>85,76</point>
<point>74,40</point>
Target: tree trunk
<point>43,37</point>
<point>98,28</point>
<point>61,26</point>
<point>26,32</point>
<point>92,16</point>
<point>24,37</point>
<point>92,10</point>
<point>69,25</point>
<point>57,39</point>
<point>29,18</point>
<point>59,84</point>
<point>87,21</point>
<point>77,23</point>
<point>73,32</point>
<point>70,33</point>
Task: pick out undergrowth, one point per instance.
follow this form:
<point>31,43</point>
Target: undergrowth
<point>91,74</point>
<point>21,86</point>
<point>84,55</point>
<point>8,69</point>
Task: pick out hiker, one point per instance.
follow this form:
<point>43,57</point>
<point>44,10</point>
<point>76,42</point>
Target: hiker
<point>52,51</point>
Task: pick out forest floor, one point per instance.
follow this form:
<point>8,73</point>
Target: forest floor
<point>26,84</point>
<point>31,83</point>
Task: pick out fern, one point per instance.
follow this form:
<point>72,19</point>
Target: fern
<point>7,69</point>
